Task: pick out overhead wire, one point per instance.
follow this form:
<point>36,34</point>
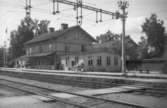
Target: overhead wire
<point>41,4</point>
<point>66,16</point>
<point>48,13</point>
<point>98,17</point>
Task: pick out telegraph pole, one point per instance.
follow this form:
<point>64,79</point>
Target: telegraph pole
<point>78,8</point>
<point>123,5</point>
<point>28,8</point>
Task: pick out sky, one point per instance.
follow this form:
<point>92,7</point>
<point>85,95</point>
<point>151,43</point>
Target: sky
<point>12,11</point>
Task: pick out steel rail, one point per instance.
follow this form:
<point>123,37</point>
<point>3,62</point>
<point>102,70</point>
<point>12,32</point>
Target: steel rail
<point>54,98</point>
<point>81,95</point>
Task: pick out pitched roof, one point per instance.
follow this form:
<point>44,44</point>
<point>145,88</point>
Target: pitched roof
<point>56,34</point>
<point>92,51</point>
<point>153,60</point>
<point>41,54</point>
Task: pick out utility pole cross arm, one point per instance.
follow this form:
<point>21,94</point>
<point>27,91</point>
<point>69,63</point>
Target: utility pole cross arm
<point>86,7</point>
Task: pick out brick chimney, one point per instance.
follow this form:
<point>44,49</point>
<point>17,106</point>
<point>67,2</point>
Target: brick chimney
<point>64,26</point>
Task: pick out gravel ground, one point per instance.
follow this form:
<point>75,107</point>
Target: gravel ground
<point>9,92</point>
<point>148,101</point>
<point>45,84</point>
<point>32,102</point>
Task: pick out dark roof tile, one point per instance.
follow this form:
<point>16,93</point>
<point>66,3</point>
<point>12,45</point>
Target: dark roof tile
<point>55,34</point>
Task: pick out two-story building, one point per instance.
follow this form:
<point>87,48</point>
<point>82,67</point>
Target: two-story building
<point>58,49</point>
<point>99,59</point>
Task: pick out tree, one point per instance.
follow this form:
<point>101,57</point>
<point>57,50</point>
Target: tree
<point>41,27</point>
<point>1,56</point>
<point>131,48</point>
<point>143,48</point>
<point>108,36</point>
<point>24,33</point>
<point>113,42</point>
<point>155,31</point>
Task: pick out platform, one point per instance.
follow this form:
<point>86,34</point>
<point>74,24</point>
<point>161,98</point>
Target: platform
<point>156,78</point>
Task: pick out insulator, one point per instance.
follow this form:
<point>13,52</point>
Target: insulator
<point>117,15</point>
<point>112,16</point>
<point>28,8</point>
<point>57,8</point>
<point>97,17</point>
<point>81,12</point>
<point>100,16</point>
<point>28,13</point>
<point>80,22</point>
<point>54,13</point>
<point>75,7</point>
<point>30,4</point>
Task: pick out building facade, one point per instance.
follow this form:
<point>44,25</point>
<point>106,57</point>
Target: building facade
<point>92,60</point>
<point>67,49</point>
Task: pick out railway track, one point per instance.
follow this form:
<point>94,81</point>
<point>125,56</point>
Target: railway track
<point>150,91</point>
<point>45,92</point>
<point>87,82</point>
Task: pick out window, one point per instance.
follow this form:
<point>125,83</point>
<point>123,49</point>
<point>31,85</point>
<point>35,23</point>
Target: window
<point>67,59</point>
<point>66,48</point>
<point>115,60</point>
<point>30,51</point>
<point>76,59</point>
<point>99,60</point>
<point>36,49</point>
<point>72,63</point>
<point>76,36</point>
<point>50,47</point>
<point>82,48</point>
<point>90,61</point>
<point>40,49</point>
<point>108,59</point>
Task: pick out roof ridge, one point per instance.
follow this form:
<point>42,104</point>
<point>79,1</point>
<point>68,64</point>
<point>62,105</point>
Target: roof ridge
<point>57,31</point>
<point>47,36</point>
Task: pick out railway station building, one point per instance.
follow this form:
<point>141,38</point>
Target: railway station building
<point>70,48</point>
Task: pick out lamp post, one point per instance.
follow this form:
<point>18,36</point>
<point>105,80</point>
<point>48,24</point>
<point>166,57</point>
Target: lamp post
<point>123,5</point>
